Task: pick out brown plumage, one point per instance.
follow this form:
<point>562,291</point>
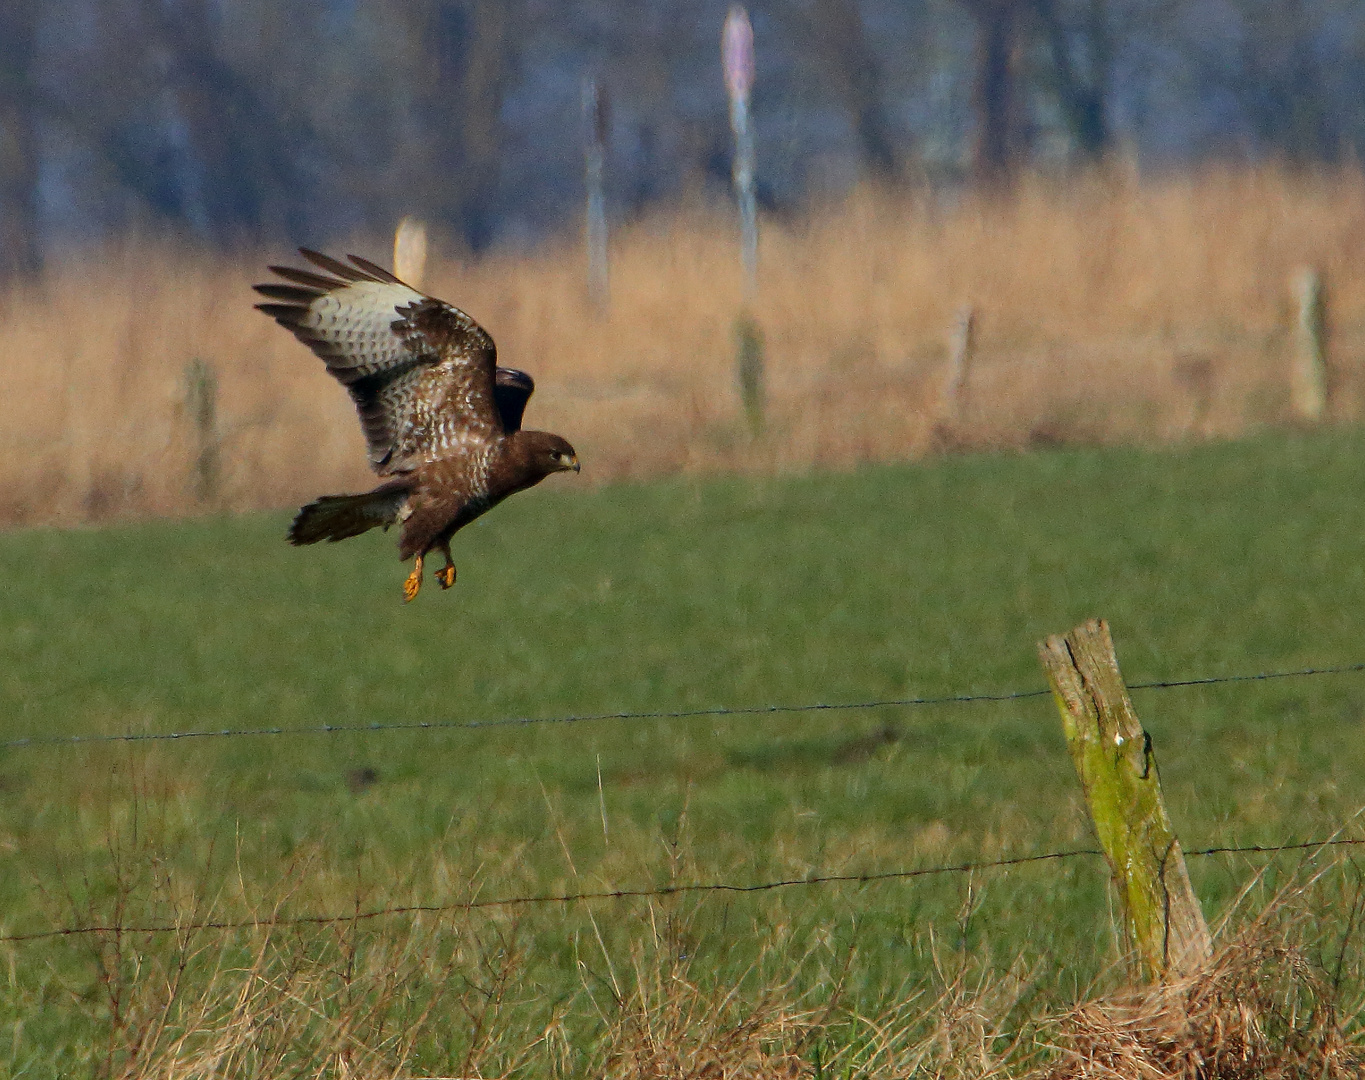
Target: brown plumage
<point>441,419</point>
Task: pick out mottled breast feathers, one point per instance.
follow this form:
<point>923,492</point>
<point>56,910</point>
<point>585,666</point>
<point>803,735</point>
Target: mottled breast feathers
<point>422,373</point>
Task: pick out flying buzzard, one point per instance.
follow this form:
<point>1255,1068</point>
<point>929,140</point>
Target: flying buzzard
<point>440,417</point>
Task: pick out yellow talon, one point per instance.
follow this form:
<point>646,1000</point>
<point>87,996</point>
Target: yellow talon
<point>446,575</point>
<point>414,582</point>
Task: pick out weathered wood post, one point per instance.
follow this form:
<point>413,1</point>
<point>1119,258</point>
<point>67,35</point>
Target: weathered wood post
<point>749,368</point>
<point>201,406</point>
<point>1308,373</point>
<point>410,251</point>
<point>1114,758</point>
<point>596,123</point>
<point>961,343</point>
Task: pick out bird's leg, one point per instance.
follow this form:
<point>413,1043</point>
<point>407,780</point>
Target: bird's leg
<point>414,581</point>
<point>446,575</point>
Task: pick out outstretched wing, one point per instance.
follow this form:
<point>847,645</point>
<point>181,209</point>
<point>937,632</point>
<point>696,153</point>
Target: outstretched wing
<point>419,370</point>
<point>512,389</point>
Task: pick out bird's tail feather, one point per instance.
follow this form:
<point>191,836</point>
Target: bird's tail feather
<point>336,517</point>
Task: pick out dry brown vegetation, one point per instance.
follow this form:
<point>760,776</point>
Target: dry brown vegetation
<point>1109,308</point>
<point>242,986</point>
<point>1262,1010</point>
<point>365,999</point>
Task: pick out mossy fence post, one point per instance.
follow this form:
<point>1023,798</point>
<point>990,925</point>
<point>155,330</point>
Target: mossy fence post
<point>749,367</point>
<point>1117,767</point>
<point>201,406</point>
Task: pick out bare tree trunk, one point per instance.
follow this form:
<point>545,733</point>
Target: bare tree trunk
<point>19,153</point>
<point>995,89</point>
<point>1081,83</point>
<point>473,45</point>
<point>854,70</point>
<point>242,148</point>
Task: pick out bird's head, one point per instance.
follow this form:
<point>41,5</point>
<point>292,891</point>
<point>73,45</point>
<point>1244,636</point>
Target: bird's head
<point>543,453</point>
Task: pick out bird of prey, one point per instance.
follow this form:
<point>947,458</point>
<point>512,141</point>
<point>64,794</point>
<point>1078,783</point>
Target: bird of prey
<point>442,421</point>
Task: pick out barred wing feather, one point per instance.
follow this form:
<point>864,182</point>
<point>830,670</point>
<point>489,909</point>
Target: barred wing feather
<point>419,370</point>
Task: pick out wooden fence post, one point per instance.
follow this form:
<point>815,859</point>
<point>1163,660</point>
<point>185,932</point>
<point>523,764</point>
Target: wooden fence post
<point>1308,374</point>
<point>749,366</point>
<point>201,406</point>
<point>961,343</point>
<point>1114,758</point>
<point>596,124</point>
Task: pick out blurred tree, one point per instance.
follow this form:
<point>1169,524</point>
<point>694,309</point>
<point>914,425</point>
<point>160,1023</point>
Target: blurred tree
<point>238,154</point>
<point>1080,40</point>
<point>19,145</point>
<point>470,51</point>
<point>996,98</point>
<point>243,119</point>
<point>177,127</point>
<point>1283,62</point>
<point>834,32</point>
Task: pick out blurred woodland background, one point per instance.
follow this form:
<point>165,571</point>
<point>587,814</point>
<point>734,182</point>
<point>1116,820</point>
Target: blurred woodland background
<point>251,122</point>
<point>1103,202</point>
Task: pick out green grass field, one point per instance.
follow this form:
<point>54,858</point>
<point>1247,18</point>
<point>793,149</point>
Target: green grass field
<point>917,580</point>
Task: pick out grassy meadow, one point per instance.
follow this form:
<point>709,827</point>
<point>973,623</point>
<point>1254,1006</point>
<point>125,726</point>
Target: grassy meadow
<point>880,581</point>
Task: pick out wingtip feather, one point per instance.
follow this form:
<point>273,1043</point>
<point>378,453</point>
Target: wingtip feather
<point>293,294</point>
<point>331,265</point>
<point>376,271</point>
<point>285,314</point>
<point>307,278</point>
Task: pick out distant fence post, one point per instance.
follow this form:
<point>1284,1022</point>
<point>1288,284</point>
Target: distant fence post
<point>749,368</point>
<point>737,57</point>
<point>1308,373</point>
<point>960,345</point>
<point>410,251</point>
<point>737,62</point>
<point>201,405</point>
<point>596,121</point>
<point>1114,758</point>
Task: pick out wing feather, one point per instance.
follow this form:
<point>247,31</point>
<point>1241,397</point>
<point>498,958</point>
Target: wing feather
<point>333,266</point>
<point>374,270</point>
<point>512,389</point>
<point>307,277</point>
<point>291,294</point>
<point>420,371</point>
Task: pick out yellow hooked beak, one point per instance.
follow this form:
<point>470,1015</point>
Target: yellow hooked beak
<point>576,467</point>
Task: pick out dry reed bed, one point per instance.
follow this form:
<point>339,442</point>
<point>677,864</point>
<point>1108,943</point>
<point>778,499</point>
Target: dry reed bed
<point>1109,308</point>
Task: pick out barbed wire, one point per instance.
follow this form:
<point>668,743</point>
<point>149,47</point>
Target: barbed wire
<point>670,714</point>
<point>629,894</point>
<point>1168,684</point>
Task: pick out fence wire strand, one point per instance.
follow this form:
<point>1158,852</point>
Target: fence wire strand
<point>674,714</point>
<point>668,890</point>
<point>630,894</point>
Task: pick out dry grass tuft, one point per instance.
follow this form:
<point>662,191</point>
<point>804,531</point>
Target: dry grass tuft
<point>670,1022</point>
<point>341,1001</point>
<point>1261,1011</point>
<point>967,1027</point>
<point>1108,308</point>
